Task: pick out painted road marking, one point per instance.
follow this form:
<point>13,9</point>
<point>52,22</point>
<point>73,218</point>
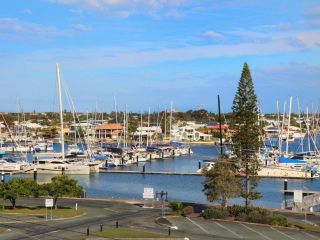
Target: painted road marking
<point>261,234</point>
<point>229,230</point>
<point>308,234</point>
<point>198,225</point>
<point>111,210</point>
<point>284,234</point>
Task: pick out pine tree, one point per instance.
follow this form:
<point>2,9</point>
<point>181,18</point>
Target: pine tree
<point>247,133</point>
<point>220,182</point>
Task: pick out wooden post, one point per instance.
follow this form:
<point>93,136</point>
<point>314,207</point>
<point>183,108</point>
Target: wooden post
<point>35,173</point>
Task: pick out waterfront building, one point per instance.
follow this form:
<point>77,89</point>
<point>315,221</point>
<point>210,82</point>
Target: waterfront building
<point>190,134</point>
<point>108,131</point>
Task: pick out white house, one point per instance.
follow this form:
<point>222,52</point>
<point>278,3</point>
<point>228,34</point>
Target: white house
<point>189,133</point>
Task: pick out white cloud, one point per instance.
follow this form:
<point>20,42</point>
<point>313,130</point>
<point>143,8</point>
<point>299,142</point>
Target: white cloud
<point>14,27</point>
<point>214,35</point>
<point>124,8</point>
<point>27,11</point>
<point>81,27</point>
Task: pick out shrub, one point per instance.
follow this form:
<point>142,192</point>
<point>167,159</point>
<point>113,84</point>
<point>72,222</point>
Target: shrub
<point>236,210</point>
<point>256,217</point>
<point>188,210</point>
<point>278,220</point>
<point>217,213</point>
<point>176,206</point>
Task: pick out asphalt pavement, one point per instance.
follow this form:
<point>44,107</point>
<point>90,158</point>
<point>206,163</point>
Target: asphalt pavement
<point>108,212</point>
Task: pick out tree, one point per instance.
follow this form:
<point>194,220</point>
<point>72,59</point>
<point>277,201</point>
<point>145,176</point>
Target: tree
<point>220,182</point>
<point>62,186</point>
<point>247,136</point>
<point>18,187</point>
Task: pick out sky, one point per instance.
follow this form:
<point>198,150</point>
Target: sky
<point>148,53</point>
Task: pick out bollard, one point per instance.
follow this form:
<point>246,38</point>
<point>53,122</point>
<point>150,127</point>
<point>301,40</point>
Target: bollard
<point>150,157</point>
<point>199,165</point>
<point>35,175</point>
<point>2,177</point>
<point>106,164</point>
<point>117,224</point>
<point>169,231</point>
<point>88,231</point>
<point>144,168</point>
<point>101,227</point>
<point>137,159</point>
<point>62,171</point>
<point>285,184</point>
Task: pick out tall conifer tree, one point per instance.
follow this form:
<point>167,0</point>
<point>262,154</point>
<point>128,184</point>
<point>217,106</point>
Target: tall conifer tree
<point>246,138</point>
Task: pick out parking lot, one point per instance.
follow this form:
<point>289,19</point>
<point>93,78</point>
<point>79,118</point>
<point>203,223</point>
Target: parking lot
<point>197,228</point>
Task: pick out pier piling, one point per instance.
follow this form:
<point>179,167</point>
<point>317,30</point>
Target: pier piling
<point>285,185</point>
<point>35,173</point>
<point>2,177</point>
<point>199,165</point>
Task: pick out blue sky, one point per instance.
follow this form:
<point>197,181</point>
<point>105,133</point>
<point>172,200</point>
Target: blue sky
<point>150,52</point>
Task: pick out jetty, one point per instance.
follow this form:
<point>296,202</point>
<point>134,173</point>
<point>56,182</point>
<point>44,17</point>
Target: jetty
<point>106,170</point>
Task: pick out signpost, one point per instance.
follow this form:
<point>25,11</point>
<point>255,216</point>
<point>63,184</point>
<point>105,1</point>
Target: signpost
<point>48,204</point>
<point>148,194</point>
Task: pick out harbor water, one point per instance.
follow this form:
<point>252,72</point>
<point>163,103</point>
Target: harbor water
<point>179,187</point>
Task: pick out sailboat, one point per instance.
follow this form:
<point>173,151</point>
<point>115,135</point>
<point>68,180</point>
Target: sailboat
<point>60,165</point>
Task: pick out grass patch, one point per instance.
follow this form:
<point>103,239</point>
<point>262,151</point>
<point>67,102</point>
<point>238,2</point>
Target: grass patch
<point>307,226</point>
<point>61,212</point>
<point>128,233</point>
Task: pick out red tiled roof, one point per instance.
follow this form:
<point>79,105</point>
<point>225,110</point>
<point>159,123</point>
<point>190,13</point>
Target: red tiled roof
<point>109,126</point>
<point>218,127</point>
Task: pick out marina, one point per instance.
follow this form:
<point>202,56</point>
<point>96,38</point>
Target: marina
<point>182,183</point>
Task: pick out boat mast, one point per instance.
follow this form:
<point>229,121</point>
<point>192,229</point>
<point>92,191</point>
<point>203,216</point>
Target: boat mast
<point>288,130</point>
<point>308,130</point>
<point>60,110</point>
<point>170,121</point>
<point>165,125</point>
<point>281,132</point>
<point>220,127</point>
<point>148,130</point>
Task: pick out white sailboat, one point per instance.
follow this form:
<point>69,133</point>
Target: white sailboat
<point>61,165</point>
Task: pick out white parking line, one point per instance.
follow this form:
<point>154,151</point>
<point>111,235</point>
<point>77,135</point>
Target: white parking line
<point>261,234</point>
<point>197,225</point>
<point>111,210</point>
<point>288,236</point>
<point>229,230</point>
<point>308,234</point>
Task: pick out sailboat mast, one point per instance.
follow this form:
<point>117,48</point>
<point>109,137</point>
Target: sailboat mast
<point>148,131</point>
<point>165,125</point>
<point>220,127</point>
<point>170,123</point>
<point>288,131</point>
<point>60,109</point>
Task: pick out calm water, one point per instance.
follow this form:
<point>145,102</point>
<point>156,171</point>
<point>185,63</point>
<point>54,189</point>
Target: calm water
<point>183,188</point>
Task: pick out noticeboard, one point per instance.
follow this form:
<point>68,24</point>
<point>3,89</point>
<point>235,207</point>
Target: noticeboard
<point>148,193</point>
<point>49,202</point>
